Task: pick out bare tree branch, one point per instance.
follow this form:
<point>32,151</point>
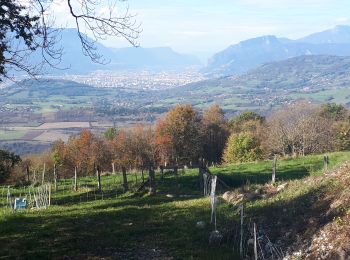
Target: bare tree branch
<point>29,30</point>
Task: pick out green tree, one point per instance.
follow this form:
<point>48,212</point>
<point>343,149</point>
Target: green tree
<point>246,121</point>
<point>215,130</point>
<point>243,147</point>
<point>334,111</point>
<point>110,133</point>
<point>7,161</point>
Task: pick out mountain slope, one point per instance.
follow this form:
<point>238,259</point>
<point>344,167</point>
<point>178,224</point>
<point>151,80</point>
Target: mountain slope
<point>155,58</point>
<point>319,78</point>
<point>299,73</point>
<point>339,34</point>
<point>249,54</point>
<point>308,71</point>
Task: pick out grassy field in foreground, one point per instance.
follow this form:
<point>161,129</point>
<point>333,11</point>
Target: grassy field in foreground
<point>117,225</point>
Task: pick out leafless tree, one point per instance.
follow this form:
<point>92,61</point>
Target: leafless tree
<point>27,27</point>
<point>298,130</point>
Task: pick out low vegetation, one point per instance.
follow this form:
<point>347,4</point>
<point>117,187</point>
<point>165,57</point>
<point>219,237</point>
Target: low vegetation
<point>114,224</point>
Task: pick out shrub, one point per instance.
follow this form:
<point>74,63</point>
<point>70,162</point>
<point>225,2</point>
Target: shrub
<point>243,147</point>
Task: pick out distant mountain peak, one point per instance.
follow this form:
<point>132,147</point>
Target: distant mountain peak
<point>266,40</point>
<point>338,34</point>
<point>248,54</point>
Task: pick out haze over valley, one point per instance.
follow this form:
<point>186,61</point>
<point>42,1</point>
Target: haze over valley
<point>138,85</point>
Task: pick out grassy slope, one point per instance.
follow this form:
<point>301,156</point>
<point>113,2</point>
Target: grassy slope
<point>127,226</point>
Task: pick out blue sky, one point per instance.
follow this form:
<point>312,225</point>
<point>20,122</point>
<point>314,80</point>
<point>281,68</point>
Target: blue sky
<point>203,27</point>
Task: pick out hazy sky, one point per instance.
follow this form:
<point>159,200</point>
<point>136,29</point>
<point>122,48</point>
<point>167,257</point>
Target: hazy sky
<point>207,26</point>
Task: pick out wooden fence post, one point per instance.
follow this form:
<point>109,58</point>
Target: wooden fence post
<point>55,176</point>
<point>125,179</point>
<point>325,162</point>
<point>255,244</point>
<point>152,180</point>
<point>50,194</point>
<point>75,179</point>
<point>98,173</point>
<point>274,169</point>
<point>43,175</point>
<point>241,238</point>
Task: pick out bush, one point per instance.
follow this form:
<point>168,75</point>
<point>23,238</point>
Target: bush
<point>243,147</point>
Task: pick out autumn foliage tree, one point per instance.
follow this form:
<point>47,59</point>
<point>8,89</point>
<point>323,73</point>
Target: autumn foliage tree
<point>182,128</point>
<point>142,146</point>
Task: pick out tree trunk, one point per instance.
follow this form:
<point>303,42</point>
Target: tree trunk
<point>125,179</point>
<point>161,172</point>
<point>201,173</point>
<point>143,177</point>
<point>113,168</point>
<point>27,171</point>
<point>177,180</point>
<point>152,181</point>
<point>75,179</point>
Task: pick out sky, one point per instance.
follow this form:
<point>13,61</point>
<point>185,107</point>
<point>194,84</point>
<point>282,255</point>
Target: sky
<point>203,27</point>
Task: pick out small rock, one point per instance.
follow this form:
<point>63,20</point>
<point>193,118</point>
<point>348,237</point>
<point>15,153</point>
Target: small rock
<point>281,187</point>
<point>228,196</point>
<point>200,224</point>
<point>258,191</point>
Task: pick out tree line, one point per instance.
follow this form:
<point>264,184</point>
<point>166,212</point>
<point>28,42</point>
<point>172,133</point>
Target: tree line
<point>185,136</point>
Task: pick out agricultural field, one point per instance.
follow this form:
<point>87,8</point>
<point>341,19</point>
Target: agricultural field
<point>46,132</point>
<point>114,224</point>
<point>11,134</point>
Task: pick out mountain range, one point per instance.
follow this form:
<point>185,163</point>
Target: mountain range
<point>73,61</point>
<point>249,54</point>
<point>237,59</point>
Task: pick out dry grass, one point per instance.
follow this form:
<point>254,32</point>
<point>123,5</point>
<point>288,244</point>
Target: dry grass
<point>52,135</point>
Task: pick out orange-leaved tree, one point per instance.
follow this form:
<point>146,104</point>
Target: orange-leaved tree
<point>182,127</point>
